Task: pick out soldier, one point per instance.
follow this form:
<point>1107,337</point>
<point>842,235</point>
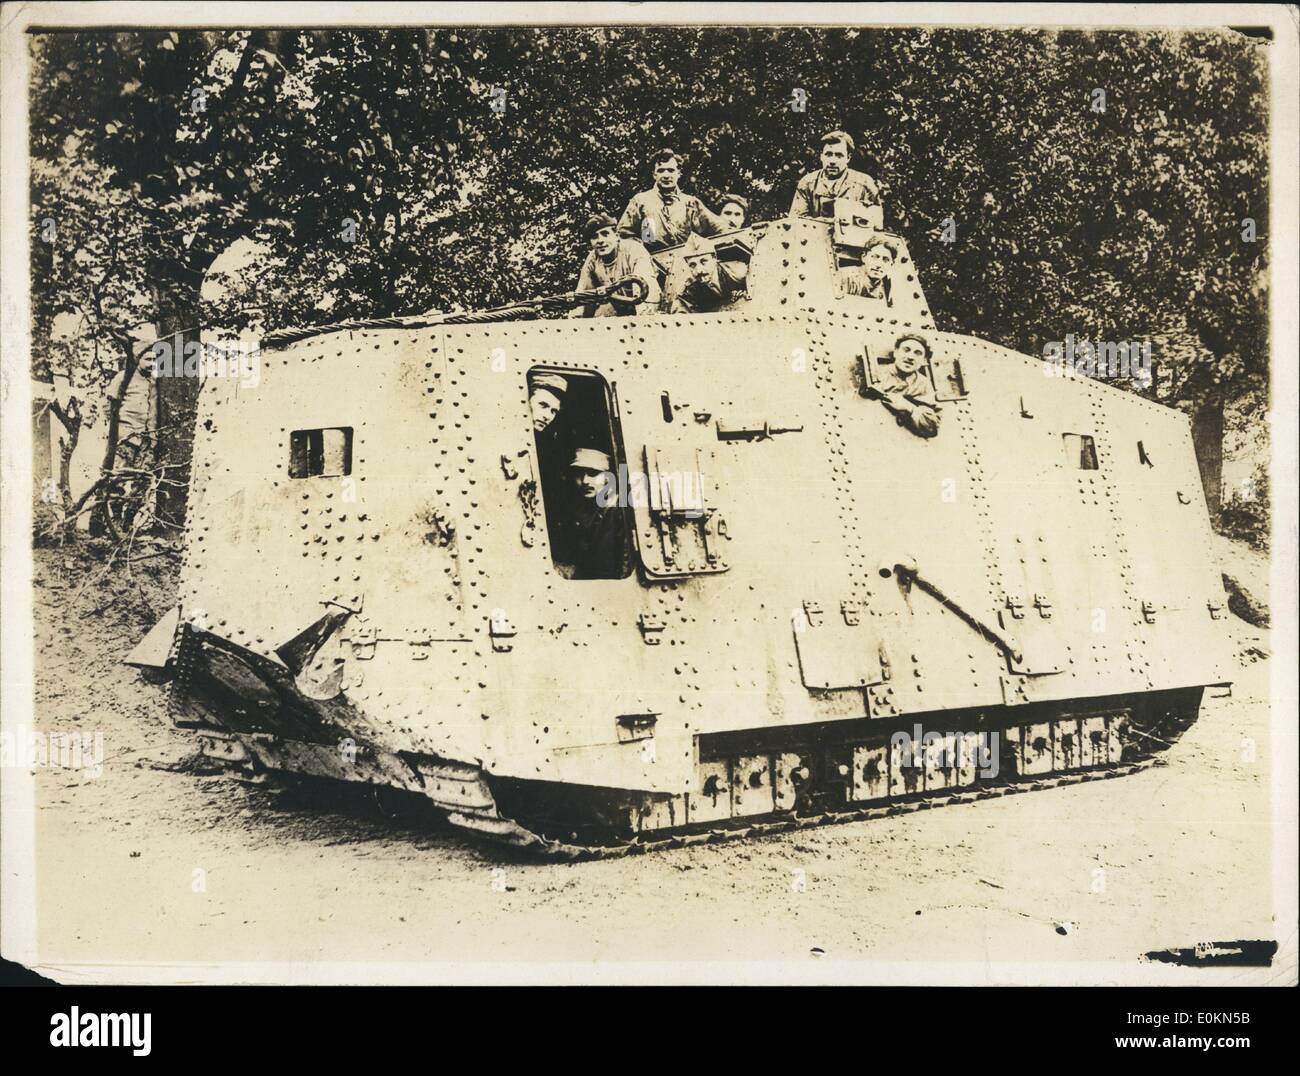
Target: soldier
<point>871,278</point>
<point>554,436</point>
<point>611,259</point>
<point>906,389</point>
<point>710,284</point>
<point>816,193</point>
<point>734,211</point>
<point>664,215</point>
<point>595,542</point>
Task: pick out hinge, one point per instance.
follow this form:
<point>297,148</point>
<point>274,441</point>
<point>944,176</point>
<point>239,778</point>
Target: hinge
<point>501,631</point>
<point>812,612</point>
<point>650,629</point>
<point>420,643</point>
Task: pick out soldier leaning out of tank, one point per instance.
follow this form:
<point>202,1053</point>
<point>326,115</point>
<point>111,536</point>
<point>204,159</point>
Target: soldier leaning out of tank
<point>665,216</point>
<point>611,259</point>
<point>816,192</point>
<point>906,389</point>
<point>594,542</point>
<point>545,399</point>
<point>710,284</point>
<point>871,279</point>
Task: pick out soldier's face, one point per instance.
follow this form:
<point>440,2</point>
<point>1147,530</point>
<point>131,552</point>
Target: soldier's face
<point>666,175</point>
<point>544,407</point>
<point>589,482</point>
<point>733,215</point>
<point>604,242</point>
<point>877,261</point>
<point>835,158</point>
<point>909,356</point>
<point>702,267</point>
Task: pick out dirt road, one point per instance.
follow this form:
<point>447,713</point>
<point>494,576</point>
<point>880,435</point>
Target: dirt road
<point>150,864</point>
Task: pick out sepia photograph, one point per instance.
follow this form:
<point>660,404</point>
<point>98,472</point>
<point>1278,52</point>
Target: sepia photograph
<point>640,494</point>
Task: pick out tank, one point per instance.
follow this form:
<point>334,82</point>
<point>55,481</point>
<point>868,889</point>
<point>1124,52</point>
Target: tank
<point>815,613</point>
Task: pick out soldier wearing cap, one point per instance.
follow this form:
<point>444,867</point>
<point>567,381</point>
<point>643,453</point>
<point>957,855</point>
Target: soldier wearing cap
<point>906,389</point>
<point>612,259</point>
<point>665,216</point>
<point>734,211</point>
<point>553,435</point>
<point>816,192</point>
<point>709,284</point>
<point>595,542</point>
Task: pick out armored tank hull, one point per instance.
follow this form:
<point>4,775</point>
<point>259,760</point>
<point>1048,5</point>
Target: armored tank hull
<point>822,615</point>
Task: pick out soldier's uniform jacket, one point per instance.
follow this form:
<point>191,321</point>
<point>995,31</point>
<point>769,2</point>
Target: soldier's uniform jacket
<point>595,542</point>
<point>630,259</point>
<point>671,221</point>
<point>856,282</point>
<point>815,194</point>
<point>914,387</point>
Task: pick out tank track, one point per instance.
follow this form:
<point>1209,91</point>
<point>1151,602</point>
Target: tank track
<point>513,834</point>
<point>1150,728</point>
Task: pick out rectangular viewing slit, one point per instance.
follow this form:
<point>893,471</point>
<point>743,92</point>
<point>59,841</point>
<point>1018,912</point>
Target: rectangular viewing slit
<point>323,453</point>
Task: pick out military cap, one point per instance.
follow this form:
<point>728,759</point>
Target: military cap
<point>590,459</point>
<point>697,245</point>
<point>596,222</point>
<point>551,383</point>
<point>743,203</point>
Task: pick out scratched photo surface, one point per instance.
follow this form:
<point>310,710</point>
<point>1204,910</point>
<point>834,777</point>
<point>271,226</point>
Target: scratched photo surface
<point>651,503</point>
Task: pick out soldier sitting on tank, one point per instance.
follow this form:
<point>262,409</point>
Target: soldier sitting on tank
<point>905,387</point>
<point>871,279</point>
<point>593,540</point>
<point>816,192</point>
<point>612,259</point>
<point>665,216</point>
<point>709,283</point>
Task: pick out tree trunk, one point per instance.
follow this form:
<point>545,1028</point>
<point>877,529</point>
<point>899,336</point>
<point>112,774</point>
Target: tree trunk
<point>176,398</point>
<point>1207,438</point>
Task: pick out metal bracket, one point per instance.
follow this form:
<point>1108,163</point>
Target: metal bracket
<point>852,612</point>
<point>1149,612</point>
<point>363,640</point>
<point>1043,605</point>
<point>1017,606</point>
<point>812,612</point>
<point>650,629</point>
<point>500,631</point>
<point>1216,609</point>
<point>633,727</point>
<point>420,643</point>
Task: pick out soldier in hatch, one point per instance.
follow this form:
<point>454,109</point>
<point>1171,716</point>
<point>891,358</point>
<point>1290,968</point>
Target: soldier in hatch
<point>553,434</point>
<point>734,211</point>
<point>906,389</point>
<point>816,192</point>
<point>871,279</point>
<point>710,284</point>
<point>595,542</point>
<point>612,259</point>
<point>664,215</point>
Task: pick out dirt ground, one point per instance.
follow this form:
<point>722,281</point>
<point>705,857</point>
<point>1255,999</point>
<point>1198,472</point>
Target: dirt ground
<point>151,863</point>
